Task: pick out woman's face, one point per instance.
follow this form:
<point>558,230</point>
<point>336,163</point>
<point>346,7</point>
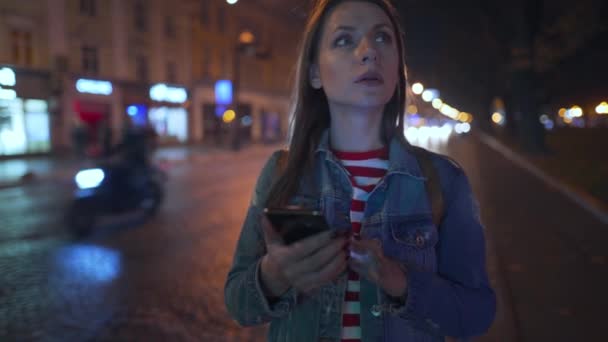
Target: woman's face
<point>357,62</point>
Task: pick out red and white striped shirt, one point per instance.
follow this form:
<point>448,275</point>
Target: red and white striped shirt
<point>365,169</point>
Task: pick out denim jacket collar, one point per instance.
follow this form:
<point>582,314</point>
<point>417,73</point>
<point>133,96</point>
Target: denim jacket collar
<point>401,160</point>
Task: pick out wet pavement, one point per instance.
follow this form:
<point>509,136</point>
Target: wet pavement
<point>163,279</point>
<point>130,280</point>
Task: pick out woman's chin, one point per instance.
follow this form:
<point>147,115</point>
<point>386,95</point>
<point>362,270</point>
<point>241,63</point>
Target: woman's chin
<point>370,102</point>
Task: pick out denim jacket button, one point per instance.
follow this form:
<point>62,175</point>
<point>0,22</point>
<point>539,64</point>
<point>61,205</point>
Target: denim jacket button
<point>376,310</point>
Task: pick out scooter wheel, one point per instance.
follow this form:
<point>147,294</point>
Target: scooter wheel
<point>152,199</point>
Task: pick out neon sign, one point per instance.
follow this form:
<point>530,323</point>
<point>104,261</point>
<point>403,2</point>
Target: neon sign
<point>94,87</point>
<point>223,92</point>
<point>7,77</point>
<point>163,93</point>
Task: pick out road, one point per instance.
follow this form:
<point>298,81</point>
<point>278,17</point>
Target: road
<point>131,281</point>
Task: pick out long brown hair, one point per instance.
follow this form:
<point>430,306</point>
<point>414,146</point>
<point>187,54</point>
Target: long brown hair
<point>310,108</point>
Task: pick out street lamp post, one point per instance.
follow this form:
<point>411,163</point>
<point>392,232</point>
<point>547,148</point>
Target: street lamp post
<point>235,129</point>
<point>247,46</point>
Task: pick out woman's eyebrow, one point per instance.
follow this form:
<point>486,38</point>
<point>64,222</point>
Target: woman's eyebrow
<point>352,28</point>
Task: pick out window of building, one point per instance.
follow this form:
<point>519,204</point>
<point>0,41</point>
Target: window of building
<point>171,72</point>
<point>170,27</point>
<point>88,7</point>
<point>223,65</point>
<point>24,126</point>
<point>90,59</point>
<point>206,62</point>
<point>141,68</point>
<point>21,46</point>
<point>139,14</point>
<point>204,15</point>
<point>221,19</point>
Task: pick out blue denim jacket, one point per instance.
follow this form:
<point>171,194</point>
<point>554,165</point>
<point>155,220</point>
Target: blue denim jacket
<point>448,288</point>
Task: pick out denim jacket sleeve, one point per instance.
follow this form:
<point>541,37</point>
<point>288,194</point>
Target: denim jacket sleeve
<point>243,295</point>
<point>456,301</point>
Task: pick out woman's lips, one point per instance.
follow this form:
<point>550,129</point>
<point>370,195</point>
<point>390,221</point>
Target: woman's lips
<point>370,82</point>
<point>370,78</point>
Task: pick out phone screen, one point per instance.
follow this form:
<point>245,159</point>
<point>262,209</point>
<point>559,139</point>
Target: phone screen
<point>296,224</point>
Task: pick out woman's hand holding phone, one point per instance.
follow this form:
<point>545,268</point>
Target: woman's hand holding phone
<point>306,264</point>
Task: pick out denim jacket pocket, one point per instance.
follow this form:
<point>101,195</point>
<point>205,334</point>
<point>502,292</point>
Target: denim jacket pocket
<point>416,231</point>
<point>411,239</point>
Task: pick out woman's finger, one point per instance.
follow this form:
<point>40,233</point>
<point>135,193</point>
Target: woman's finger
<point>358,246</point>
<point>318,259</point>
<point>328,273</point>
<point>366,247</point>
<point>305,247</point>
<point>365,269</point>
<point>356,266</point>
<point>375,246</point>
<point>271,236</point>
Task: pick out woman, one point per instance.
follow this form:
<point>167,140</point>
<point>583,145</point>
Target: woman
<point>395,275</point>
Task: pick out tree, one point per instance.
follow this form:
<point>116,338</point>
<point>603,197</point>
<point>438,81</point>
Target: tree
<point>539,36</point>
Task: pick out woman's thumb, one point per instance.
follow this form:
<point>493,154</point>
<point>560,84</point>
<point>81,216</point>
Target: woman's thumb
<point>271,236</point>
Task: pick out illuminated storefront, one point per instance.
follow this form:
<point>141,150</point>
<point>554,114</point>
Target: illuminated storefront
<point>92,106</point>
<point>135,102</point>
<point>24,114</point>
<point>167,113</point>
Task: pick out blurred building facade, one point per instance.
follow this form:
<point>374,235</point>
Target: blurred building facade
<point>25,86</point>
<point>263,75</point>
<point>85,69</point>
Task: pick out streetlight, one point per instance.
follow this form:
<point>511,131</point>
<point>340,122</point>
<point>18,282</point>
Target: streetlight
<point>437,103</point>
<point>602,108</point>
<point>429,95</point>
<point>246,45</point>
<point>417,88</point>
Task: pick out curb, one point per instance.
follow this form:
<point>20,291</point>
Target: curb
<point>33,181</point>
<point>8,185</point>
<point>188,156</point>
<point>582,199</point>
<point>506,325</point>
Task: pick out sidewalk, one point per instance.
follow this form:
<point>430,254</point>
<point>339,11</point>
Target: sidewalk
<point>545,246</point>
<point>27,170</point>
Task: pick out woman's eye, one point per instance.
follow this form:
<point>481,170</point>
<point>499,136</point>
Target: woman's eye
<point>342,41</point>
<point>383,37</point>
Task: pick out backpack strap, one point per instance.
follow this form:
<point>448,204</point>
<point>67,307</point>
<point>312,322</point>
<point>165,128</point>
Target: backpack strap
<point>433,187</point>
<point>282,162</point>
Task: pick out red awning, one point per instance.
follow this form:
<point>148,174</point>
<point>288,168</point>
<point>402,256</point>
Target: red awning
<point>91,112</point>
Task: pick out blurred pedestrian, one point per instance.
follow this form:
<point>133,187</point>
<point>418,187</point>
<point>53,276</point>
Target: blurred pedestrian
<point>412,264</point>
<point>79,137</point>
<point>134,148</point>
<point>106,135</point>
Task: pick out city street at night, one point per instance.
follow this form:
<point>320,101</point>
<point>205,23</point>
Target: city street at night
<point>132,134</point>
<point>134,280</point>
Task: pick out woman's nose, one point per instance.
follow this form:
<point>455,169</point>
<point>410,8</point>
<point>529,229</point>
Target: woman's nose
<point>367,52</point>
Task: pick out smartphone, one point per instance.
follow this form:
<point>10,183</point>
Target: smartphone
<point>296,224</point>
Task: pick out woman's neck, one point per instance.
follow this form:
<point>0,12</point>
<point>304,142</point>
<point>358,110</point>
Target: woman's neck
<point>355,129</point>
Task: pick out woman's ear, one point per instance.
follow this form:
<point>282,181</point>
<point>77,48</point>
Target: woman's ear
<point>314,76</point>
